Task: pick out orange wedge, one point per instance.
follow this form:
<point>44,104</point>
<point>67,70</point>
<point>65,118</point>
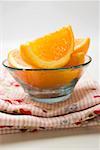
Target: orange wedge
<point>76,59</point>
<point>51,51</point>
<point>15,60</point>
<point>81,45</point>
<point>39,79</point>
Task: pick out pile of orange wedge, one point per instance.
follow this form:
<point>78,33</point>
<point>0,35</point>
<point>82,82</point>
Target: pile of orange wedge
<point>54,50</point>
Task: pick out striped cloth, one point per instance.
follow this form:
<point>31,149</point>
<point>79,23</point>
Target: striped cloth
<point>19,114</point>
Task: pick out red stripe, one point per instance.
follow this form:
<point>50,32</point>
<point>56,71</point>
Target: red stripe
<point>96,96</point>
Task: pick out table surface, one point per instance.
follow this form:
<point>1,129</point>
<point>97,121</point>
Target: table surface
<point>73,139</point>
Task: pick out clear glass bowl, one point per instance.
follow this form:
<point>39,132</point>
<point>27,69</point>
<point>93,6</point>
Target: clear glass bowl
<point>48,85</point>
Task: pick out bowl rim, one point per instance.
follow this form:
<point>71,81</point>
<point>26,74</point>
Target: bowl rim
<point>48,69</point>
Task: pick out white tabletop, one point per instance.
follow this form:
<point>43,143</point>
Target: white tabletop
<point>73,139</point>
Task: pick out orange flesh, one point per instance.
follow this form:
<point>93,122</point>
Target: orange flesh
<point>50,51</point>
<point>52,47</point>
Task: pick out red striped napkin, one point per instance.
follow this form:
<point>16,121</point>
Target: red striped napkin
<point>18,113</point>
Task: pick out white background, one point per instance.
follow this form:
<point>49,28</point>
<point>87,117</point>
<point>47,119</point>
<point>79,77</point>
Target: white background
<point>24,21</point>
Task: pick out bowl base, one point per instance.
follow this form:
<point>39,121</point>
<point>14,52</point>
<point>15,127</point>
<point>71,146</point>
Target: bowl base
<point>50,96</point>
<point>50,100</point>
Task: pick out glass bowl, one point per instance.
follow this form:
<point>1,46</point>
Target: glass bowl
<point>48,85</point>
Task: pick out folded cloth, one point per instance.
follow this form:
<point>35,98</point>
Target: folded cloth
<point>18,113</point>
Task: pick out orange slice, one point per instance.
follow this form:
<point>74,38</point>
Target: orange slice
<point>15,60</point>
<point>76,59</point>
<point>81,45</point>
<point>50,51</point>
<point>40,79</point>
